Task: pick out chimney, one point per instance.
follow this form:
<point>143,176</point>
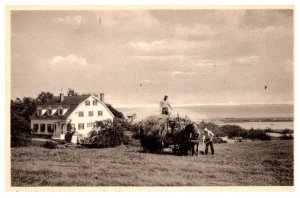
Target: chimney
<point>61,97</point>
<point>101,97</point>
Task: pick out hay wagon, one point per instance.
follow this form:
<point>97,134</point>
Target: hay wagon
<point>183,145</point>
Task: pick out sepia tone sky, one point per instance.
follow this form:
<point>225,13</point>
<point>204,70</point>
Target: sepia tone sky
<point>137,56</point>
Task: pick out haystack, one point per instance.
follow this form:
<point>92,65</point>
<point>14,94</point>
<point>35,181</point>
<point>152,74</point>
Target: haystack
<point>155,125</point>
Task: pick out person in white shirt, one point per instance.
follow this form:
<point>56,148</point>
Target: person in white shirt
<point>164,106</point>
<point>208,140</point>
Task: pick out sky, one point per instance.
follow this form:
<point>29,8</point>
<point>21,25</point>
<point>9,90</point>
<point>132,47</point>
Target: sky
<point>137,56</point>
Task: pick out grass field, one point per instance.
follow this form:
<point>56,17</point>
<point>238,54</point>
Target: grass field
<point>241,164</point>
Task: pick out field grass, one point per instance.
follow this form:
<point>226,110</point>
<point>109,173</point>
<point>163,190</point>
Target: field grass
<point>241,164</point>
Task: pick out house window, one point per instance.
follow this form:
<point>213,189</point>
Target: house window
<point>80,114</point>
<point>80,126</point>
<point>100,113</point>
<point>43,127</point>
<point>90,124</point>
<point>91,113</point>
<point>35,127</point>
<point>95,102</point>
<point>50,128</point>
<point>87,103</point>
<point>60,111</point>
<point>49,112</point>
<point>39,112</point>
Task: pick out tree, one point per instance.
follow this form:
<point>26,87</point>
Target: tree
<point>71,92</point>
<point>21,110</point>
<point>44,96</point>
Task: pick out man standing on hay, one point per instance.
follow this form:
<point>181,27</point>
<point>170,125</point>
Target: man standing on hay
<point>208,140</point>
<point>164,105</point>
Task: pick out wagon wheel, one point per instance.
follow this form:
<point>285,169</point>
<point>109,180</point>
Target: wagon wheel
<point>174,150</point>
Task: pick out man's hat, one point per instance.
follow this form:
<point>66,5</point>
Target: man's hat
<point>205,130</point>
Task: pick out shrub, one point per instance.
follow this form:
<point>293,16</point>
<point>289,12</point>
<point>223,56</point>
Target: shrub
<point>68,136</point>
<point>233,131</point>
<point>287,134</point>
<point>61,142</point>
<point>50,145</point>
<point>286,137</point>
<point>212,127</point>
<point>108,134</point>
<point>18,140</point>
<point>136,129</point>
<point>126,140</point>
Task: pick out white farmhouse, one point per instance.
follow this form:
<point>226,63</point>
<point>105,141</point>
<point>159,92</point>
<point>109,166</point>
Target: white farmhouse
<point>65,113</point>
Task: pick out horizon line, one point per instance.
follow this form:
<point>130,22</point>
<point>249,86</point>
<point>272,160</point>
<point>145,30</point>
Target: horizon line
<point>204,104</point>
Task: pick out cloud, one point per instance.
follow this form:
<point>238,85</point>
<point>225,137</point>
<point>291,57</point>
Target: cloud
<point>168,46</point>
<point>161,58</point>
<point>70,60</point>
<point>72,20</point>
<point>174,73</point>
<point>204,63</point>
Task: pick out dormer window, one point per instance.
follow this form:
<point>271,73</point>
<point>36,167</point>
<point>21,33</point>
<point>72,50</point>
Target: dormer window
<point>49,111</point>
<point>87,103</point>
<point>60,111</point>
<point>39,111</point>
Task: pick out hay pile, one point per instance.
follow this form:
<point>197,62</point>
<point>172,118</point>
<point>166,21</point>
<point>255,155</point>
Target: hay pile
<point>159,125</point>
<point>154,125</point>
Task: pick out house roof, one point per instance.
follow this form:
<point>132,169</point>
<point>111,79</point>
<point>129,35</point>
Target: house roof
<point>70,102</point>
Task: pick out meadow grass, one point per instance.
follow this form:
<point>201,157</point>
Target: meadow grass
<point>258,163</point>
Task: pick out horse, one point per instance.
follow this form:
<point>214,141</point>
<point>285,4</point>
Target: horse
<point>182,140</point>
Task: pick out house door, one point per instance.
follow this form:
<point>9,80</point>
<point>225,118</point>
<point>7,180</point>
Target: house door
<point>56,129</point>
<point>62,128</point>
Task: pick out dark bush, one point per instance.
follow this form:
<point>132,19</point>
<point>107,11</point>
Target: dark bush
<point>233,131</point>
<point>18,140</point>
<point>50,145</point>
<point>137,130</point>
<point>287,135</point>
<point>61,142</point>
<point>126,140</point>
<point>68,136</point>
<point>109,134</point>
<point>212,127</point>
<point>268,130</point>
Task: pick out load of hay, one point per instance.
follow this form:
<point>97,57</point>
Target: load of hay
<point>106,133</point>
<point>157,131</point>
<point>154,125</point>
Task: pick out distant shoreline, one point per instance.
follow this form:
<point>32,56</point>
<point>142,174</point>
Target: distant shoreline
<point>260,116</point>
<point>201,105</point>
<point>255,119</point>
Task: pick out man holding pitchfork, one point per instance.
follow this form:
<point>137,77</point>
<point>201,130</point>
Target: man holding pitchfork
<point>208,140</point>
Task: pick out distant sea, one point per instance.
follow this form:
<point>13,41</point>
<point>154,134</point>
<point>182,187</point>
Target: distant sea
<point>274,116</point>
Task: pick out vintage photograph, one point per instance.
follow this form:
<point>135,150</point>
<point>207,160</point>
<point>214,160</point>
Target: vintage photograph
<point>157,96</point>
